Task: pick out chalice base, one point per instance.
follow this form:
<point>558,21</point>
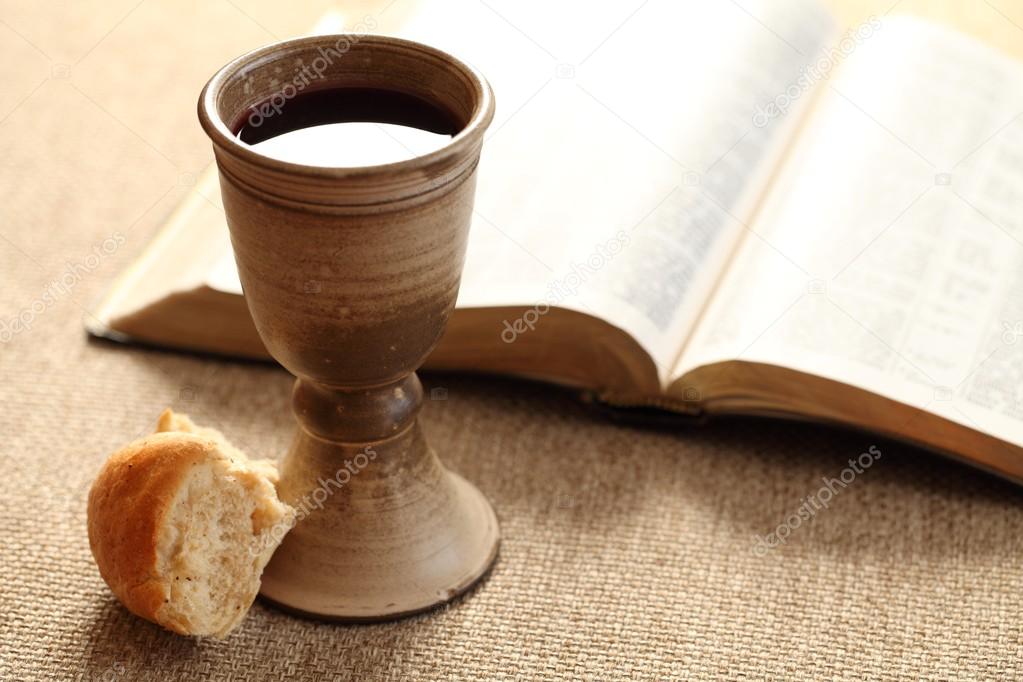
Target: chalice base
<point>396,535</point>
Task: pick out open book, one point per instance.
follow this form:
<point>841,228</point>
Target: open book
<point>711,208</point>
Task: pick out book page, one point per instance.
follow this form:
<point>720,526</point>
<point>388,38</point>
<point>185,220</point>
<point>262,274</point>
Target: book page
<point>607,189</point>
<point>890,255</point>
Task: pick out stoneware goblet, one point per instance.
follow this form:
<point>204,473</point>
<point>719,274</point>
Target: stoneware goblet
<point>350,274</point>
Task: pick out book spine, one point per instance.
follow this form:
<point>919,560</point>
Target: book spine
<point>644,409</point>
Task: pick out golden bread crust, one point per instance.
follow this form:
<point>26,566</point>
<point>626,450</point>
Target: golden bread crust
<point>127,506</point>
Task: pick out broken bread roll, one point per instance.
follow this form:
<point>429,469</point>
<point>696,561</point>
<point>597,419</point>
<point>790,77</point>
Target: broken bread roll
<point>182,523</point>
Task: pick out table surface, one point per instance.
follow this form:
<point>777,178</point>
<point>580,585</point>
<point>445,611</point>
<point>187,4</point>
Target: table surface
<point>627,552</point>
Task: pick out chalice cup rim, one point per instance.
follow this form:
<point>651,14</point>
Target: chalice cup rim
<point>464,141</point>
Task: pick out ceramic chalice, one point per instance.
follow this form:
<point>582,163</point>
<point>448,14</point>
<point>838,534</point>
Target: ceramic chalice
<point>350,274</point>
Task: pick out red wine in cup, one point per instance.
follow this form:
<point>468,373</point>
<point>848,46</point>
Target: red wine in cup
<point>346,127</point>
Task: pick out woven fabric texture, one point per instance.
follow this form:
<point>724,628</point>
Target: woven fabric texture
<point>628,552</point>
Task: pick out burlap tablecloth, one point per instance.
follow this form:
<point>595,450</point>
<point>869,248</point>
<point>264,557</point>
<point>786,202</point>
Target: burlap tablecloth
<point>627,552</point>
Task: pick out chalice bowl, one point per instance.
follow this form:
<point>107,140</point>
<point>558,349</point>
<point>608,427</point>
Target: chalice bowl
<point>350,274</point>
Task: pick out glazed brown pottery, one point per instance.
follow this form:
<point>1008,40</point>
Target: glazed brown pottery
<point>350,275</point>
